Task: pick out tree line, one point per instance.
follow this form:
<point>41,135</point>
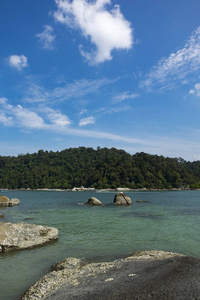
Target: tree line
<point>101,168</point>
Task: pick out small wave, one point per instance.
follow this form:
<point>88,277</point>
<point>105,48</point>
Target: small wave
<point>80,203</point>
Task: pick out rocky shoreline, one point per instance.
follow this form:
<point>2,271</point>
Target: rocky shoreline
<point>144,275</point>
<point>84,189</point>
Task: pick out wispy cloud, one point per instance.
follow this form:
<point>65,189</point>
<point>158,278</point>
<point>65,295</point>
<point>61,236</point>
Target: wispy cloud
<point>125,96</point>
<point>6,121</point>
<point>106,29</point>
<point>18,61</point>
<point>83,111</point>
<point>110,110</point>
<point>195,90</point>
<point>174,69</point>
<point>46,37</point>
<point>87,121</point>
<point>79,88</point>
<point>57,124</point>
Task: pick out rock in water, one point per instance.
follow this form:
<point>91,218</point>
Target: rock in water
<point>5,201</point>
<point>14,201</point>
<point>94,201</point>
<point>122,199</point>
<point>22,236</point>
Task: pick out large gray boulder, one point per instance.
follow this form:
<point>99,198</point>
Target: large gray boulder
<point>93,201</point>
<point>22,236</point>
<point>122,199</point>
<point>135,277</point>
<point>5,201</point>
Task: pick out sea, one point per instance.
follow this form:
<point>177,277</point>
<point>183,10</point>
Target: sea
<point>160,220</point>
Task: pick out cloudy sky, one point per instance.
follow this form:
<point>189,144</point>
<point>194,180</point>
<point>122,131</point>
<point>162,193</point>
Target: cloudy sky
<point>108,73</point>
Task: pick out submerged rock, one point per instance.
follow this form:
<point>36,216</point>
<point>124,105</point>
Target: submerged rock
<point>17,236</point>
<point>5,201</point>
<point>122,199</point>
<point>94,201</point>
<point>67,263</point>
<point>142,201</point>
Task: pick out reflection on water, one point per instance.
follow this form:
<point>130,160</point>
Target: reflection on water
<point>169,222</point>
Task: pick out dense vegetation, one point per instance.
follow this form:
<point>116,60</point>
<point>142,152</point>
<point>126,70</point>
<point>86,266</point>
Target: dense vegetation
<point>101,168</point>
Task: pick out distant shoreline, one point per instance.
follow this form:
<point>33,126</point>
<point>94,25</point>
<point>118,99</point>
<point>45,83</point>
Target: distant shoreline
<point>82,189</point>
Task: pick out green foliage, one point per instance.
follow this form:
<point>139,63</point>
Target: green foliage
<point>101,168</point>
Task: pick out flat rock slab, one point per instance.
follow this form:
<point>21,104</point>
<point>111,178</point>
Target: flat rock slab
<point>22,236</point>
<point>148,275</point>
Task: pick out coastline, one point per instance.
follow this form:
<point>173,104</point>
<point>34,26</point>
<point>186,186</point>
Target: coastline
<point>83,189</point>
<point>143,275</point>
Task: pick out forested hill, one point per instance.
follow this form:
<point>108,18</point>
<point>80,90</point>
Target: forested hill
<point>101,168</point>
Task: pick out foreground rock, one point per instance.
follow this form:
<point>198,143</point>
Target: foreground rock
<point>122,199</point>
<point>146,275</point>
<point>22,236</point>
<point>5,201</point>
<point>94,201</point>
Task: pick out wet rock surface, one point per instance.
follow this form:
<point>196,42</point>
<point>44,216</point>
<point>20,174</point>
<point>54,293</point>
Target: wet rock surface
<point>122,199</point>
<point>93,201</point>
<point>5,201</point>
<point>145,275</point>
<point>22,236</point>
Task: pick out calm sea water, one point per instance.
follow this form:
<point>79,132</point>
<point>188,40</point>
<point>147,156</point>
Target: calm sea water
<point>169,222</point>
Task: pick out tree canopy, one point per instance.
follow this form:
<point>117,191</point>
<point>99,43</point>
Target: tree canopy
<point>101,168</point>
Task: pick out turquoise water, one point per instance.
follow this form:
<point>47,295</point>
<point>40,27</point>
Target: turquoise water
<point>169,222</point>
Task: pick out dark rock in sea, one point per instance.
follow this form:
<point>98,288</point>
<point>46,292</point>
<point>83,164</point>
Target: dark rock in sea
<point>141,201</point>
<point>93,201</point>
<point>1,216</point>
<point>5,201</point>
<point>122,199</point>
<point>22,236</point>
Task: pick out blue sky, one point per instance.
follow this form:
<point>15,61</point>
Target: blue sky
<point>108,73</point>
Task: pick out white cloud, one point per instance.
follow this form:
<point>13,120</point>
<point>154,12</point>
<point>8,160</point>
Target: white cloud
<point>125,96</point>
<point>174,69</point>
<point>27,118</point>
<point>87,121</point>
<point>18,61</point>
<point>106,29</point>
<point>57,118</point>
<point>47,37</point>
<point>22,117</point>
<point>195,90</point>
<point>6,121</point>
<point>19,116</point>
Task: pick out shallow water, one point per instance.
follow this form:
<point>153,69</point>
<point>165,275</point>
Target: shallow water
<point>169,222</point>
